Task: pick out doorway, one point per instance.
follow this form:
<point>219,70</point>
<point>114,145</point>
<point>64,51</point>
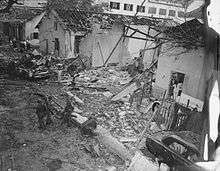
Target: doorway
<point>57,46</point>
<point>176,85</point>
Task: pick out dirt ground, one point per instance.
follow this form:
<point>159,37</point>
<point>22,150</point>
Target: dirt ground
<point>23,147</point>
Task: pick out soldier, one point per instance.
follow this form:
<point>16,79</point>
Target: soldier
<point>43,113</point>
<point>67,112</point>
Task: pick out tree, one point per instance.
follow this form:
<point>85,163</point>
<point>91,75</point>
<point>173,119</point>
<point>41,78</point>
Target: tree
<point>83,5</point>
<point>6,5</point>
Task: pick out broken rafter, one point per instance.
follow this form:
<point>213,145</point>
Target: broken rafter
<point>133,33</point>
<point>137,30</point>
<point>140,38</point>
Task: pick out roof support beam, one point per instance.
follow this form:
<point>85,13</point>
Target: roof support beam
<point>140,38</point>
<point>137,30</point>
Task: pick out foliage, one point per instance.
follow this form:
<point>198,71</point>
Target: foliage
<point>6,5</point>
<point>82,5</point>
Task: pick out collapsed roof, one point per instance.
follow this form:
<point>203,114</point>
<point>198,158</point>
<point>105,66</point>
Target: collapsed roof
<point>21,14</point>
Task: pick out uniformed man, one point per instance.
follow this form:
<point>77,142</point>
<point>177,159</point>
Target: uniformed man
<point>43,114</point>
<point>67,112</point>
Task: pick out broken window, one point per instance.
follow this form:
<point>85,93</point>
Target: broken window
<point>140,8</point>
<point>152,10</point>
<point>128,7</point>
<point>115,5</point>
<point>181,14</point>
<point>172,13</point>
<point>162,11</point>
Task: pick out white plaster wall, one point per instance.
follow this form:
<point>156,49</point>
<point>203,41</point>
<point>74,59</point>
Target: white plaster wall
<point>48,32</point>
<point>124,52</point>
<point>30,28</point>
<point>135,45</point>
<point>147,4</point>
<point>107,40</point>
<point>189,63</point>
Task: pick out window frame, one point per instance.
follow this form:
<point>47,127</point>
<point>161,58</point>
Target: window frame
<point>152,8</point>
<point>112,5</point>
<point>169,14</point>
<point>141,7</point>
<point>162,10</point>
<point>181,14</point>
<point>128,7</point>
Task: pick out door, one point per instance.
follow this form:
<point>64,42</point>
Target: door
<point>176,85</point>
<point>57,46</point>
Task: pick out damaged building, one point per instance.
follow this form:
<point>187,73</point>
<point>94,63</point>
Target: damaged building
<point>20,24</point>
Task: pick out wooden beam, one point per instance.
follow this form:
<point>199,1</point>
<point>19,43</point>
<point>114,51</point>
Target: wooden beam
<point>113,49</point>
<point>140,38</point>
<point>137,30</point>
<point>100,49</point>
<point>133,33</point>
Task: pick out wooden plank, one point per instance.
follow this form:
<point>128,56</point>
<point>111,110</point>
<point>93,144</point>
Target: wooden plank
<point>113,50</point>
<point>127,90</point>
<point>112,144</point>
<point>100,49</point>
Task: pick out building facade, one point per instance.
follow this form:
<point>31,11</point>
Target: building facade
<point>151,8</point>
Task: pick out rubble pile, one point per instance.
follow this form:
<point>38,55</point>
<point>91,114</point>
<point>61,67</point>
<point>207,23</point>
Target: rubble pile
<point>104,78</point>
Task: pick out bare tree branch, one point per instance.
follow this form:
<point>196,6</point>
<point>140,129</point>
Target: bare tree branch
<point>6,5</point>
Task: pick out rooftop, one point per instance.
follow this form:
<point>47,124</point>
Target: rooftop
<point>20,14</point>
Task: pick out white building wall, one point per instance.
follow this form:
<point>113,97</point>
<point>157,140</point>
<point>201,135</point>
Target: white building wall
<point>147,4</point>
<point>48,33</point>
<point>30,28</point>
<point>190,63</point>
<point>105,41</point>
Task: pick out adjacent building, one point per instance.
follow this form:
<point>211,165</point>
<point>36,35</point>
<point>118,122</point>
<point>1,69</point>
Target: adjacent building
<point>21,25</point>
<point>151,8</point>
<point>61,32</point>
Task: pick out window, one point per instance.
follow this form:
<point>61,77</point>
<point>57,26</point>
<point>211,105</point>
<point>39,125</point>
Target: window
<point>55,25</point>
<point>152,10</point>
<point>35,35</point>
<point>115,5</point>
<point>172,13</point>
<point>128,7</point>
<point>140,8</point>
<point>162,11</point>
<point>181,14</point>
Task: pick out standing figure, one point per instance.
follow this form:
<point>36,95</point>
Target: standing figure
<point>42,113</point>
<point>67,113</point>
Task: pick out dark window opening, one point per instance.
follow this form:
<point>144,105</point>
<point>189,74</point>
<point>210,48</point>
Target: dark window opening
<point>152,10</point>
<point>172,13</point>
<point>140,8</point>
<point>35,35</point>
<point>162,12</point>
<point>77,43</point>
<point>57,46</point>
<point>128,7</point>
<point>115,5</point>
<point>181,14</point>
